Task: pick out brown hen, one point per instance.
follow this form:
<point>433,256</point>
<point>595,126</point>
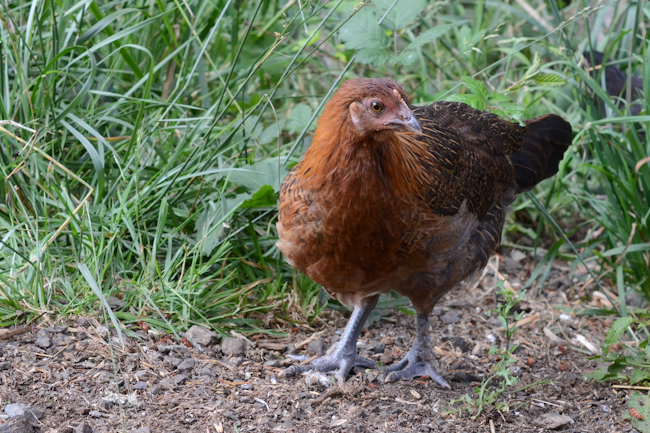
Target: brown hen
<point>412,199</point>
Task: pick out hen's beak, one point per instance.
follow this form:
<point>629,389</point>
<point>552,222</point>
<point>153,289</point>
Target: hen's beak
<point>409,124</point>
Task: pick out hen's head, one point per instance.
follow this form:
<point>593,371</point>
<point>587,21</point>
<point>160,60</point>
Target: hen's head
<point>376,105</point>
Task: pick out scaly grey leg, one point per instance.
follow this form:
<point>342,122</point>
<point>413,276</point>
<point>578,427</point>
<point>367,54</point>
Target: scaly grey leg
<point>344,357</point>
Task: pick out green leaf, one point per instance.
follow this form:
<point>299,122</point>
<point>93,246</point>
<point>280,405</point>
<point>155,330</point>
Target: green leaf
<point>550,80</point>
<point>362,31</point>
<point>300,115</point>
<point>641,403</point>
<point>402,14</point>
<point>265,196</point>
<point>534,68</point>
<point>531,73</point>
<point>406,58</point>
<point>471,100</point>
<point>268,172</point>
<point>429,36</point>
<point>639,375</point>
<point>373,56</point>
<point>617,329</point>
<point>476,87</point>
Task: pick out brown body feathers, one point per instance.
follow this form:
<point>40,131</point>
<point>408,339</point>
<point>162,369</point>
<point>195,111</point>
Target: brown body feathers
<point>376,205</point>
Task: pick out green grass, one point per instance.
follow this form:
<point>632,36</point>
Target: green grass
<point>145,141</point>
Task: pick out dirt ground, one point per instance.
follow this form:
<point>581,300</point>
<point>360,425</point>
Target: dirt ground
<point>82,384</point>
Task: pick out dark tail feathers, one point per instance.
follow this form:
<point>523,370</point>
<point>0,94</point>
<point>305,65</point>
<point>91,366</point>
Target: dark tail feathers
<point>544,143</point>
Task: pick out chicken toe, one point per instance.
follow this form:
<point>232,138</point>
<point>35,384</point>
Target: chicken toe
<point>419,359</point>
<point>344,357</point>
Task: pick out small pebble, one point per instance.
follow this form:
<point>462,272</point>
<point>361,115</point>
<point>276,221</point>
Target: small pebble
<point>233,347</point>
<point>317,347</point>
<point>203,336</point>
<point>141,385</point>
<point>450,317</point>
<point>186,366</point>
<point>180,379</point>
<point>30,413</point>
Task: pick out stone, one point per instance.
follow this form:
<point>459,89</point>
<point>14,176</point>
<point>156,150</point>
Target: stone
<point>186,366</point>
<point>552,420</point>
<point>61,340</point>
<point>116,304</point>
<point>84,427</point>
<point>233,347</point>
<point>166,348</point>
<point>635,299</point>
<point>203,336</point>
<point>452,316</point>
<point>375,348</point>
<point>141,385</point>
<point>17,424</point>
<point>317,347</point>
<point>173,361</point>
<point>180,379</point>
<point>82,321</point>
<point>43,339</point>
<point>206,371</point>
<point>235,361</point>
<point>30,413</point>
<point>5,365</point>
<point>457,343</point>
<point>105,405</point>
<point>142,374</point>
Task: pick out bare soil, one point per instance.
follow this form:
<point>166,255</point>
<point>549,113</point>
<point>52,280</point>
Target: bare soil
<point>82,383</point>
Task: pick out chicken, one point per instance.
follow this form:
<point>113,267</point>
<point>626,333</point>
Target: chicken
<point>391,196</point>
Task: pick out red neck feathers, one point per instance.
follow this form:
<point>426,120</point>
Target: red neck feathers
<point>339,153</point>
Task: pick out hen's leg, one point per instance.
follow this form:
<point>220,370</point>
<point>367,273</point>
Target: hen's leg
<point>344,357</point>
<point>418,360</point>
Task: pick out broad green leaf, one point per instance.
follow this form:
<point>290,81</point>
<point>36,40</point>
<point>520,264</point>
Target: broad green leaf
<point>617,329</point>
<point>362,31</point>
<point>531,73</point>
<point>639,375</point>
<point>374,56</point>
<point>406,58</point>
<point>476,87</point>
<point>268,172</point>
<point>469,99</point>
<point>640,403</point>
<point>429,36</point>
<point>300,115</point>
<point>265,196</point>
<point>402,14</point>
<point>550,80</point>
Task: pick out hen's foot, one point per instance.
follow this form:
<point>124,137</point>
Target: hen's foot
<point>344,358</point>
<point>341,362</point>
<point>413,366</point>
<point>418,360</point>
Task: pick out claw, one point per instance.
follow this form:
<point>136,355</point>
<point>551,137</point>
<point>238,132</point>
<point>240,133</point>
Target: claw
<point>344,357</point>
<point>414,368</point>
<point>341,362</point>
<point>417,361</point>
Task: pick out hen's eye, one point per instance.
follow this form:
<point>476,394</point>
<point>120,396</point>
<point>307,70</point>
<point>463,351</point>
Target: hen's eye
<point>376,107</point>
